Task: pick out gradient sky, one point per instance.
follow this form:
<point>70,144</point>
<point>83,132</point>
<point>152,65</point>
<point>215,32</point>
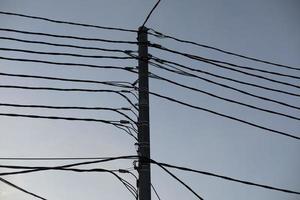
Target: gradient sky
<point>266,29</point>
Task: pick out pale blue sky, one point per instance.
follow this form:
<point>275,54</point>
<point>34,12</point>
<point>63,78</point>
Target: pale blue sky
<point>267,29</point>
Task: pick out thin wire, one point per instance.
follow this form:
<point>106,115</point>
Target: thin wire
<point>202,59</point>
<point>235,70</point>
<point>148,16</point>
<point>228,178</point>
<point>226,116</point>
<point>156,193</point>
<point>71,90</point>
<point>161,35</point>
<point>225,99</point>
<point>21,189</point>
<point>68,36</point>
<point>181,72</point>
<point>66,22</point>
<point>64,45</point>
<point>66,54</point>
<point>66,108</point>
<point>110,83</point>
<point>52,158</point>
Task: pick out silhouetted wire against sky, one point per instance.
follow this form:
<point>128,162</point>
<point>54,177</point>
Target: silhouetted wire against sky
<point>69,91</point>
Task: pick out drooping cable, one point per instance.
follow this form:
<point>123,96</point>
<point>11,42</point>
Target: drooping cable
<point>210,61</point>
<point>225,99</point>
<point>68,36</point>
<point>21,189</point>
<point>227,178</point>
<point>161,35</point>
<point>66,22</point>
<point>148,16</point>
<point>270,130</point>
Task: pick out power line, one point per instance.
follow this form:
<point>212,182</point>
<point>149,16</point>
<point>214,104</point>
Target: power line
<point>148,16</point>
<point>52,158</point>
<point>66,22</point>
<point>66,64</point>
<point>120,84</point>
<point>156,193</point>
<point>161,35</point>
<point>21,189</point>
<point>67,108</point>
<point>63,45</point>
<point>208,60</point>
<point>227,178</point>
<point>235,70</point>
<point>222,77</point>
<point>226,116</point>
<point>66,54</point>
<point>68,36</point>
<point>225,99</point>
<point>185,73</point>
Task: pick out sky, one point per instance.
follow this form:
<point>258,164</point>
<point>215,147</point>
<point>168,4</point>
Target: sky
<point>265,29</point>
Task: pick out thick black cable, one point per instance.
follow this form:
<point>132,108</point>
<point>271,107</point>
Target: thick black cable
<point>225,99</point>
<point>161,35</point>
<point>21,189</point>
<point>71,165</point>
<point>68,36</point>
<point>52,158</point>
<point>72,90</point>
<point>228,178</point>
<point>63,45</point>
<point>110,83</point>
<point>66,22</point>
<point>65,64</point>
<point>65,54</point>
<point>226,116</point>
<point>185,73</point>
<point>202,59</point>
<point>66,108</point>
<point>233,69</point>
<point>230,79</point>
<point>148,16</point>
<point>178,179</point>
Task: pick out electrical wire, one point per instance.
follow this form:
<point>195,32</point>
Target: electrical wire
<point>161,35</point>
<point>63,45</point>
<point>235,70</point>
<point>148,16</point>
<point>182,72</point>
<point>71,90</point>
<point>21,189</point>
<point>225,99</point>
<point>66,22</point>
<point>156,193</point>
<point>68,36</point>
<point>66,64</point>
<point>227,178</point>
<point>293,136</point>
<point>120,84</point>
<point>66,54</point>
<point>67,108</point>
<point>202,59</point>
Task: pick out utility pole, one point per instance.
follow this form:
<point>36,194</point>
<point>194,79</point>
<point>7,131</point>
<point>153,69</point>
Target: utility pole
<point>143,120</point>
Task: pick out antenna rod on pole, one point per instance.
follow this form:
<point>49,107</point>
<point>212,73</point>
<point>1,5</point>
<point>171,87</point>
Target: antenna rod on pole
<point>143,120</point>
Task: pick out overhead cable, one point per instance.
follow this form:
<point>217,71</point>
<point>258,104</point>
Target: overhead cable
<point>210,61</point>
<point>228,178</point>
<point>63,45</point>
<point>66,22</point>
<point>148,16</point>
<point>235,70</point>
<point>225,99</point>
<point>161,35</point>
<point>68,36</point>
<point>65,54</point>
<point>293,136</point>
<point>222,77</point>
<point>184,73</point>
<point>21,189</point>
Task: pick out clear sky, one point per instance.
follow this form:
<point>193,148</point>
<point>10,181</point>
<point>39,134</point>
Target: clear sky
<point>266,29</point>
